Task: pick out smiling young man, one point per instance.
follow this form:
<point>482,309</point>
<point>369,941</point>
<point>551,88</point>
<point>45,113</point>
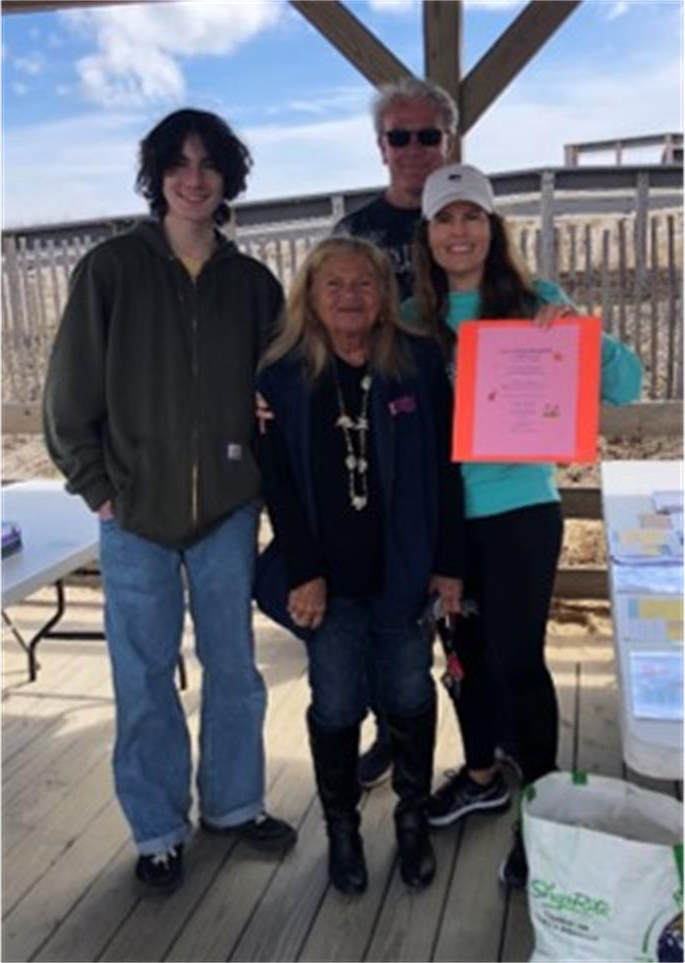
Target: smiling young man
<point>415,123</point>
<point>149,412</point>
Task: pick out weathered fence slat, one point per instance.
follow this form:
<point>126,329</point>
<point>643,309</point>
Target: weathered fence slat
<point>654,304</point>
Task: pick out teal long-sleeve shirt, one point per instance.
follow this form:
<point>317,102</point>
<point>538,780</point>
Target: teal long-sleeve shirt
<point>491,488</point>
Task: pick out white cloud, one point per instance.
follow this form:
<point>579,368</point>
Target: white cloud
<point>392,6</point>
<point>335,100</point>
<point>138,47</point>
<point>70,169</point>
<point>32,64</point>
<point>19,88</point>
<point>85,167</point>
<point>575,107</point>
<point>617,10</point>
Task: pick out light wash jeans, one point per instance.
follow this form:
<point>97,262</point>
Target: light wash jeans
<point>144,612</point>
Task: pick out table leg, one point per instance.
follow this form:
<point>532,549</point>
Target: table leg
<point>47,632</point>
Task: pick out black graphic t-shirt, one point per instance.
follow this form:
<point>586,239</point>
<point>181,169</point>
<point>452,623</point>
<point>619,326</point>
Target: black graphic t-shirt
<point>390,228</point>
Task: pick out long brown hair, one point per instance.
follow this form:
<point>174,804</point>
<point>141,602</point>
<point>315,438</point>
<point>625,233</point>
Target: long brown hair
<point>301,329</point>
<point>506,290</point>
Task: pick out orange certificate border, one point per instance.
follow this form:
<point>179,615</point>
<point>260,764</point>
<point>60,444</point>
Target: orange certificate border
<point>587,392</point>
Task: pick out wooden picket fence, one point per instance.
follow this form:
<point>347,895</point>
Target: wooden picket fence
<point>617,252</point>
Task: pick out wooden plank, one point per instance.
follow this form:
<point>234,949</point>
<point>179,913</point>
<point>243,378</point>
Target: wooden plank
<point>41,6</point>
<point>654,313</point>
<point>629,421</point>
<point>581,502</point>
<point>672,320</point>
<point>125,922</point>
<point>599,741</point>
<point>442,42</point>
<point>622,280</point>
<point>640,238</point>
<point>508,55</point>
<point>357,44</point>
<point>475,903</point>
<point>642,419</point>
<point>581,583</point>
<point>546,262</point>
<point>606,301</point>
<point>226,882</point>
<point>589,283</point>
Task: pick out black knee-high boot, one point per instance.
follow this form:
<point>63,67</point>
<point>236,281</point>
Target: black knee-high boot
<point>336,754</point>
<point>413,739</point>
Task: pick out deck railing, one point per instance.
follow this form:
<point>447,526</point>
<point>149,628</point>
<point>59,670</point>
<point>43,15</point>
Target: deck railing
<point>612,236</point>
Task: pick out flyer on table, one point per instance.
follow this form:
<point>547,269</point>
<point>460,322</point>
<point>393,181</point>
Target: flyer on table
<point>526,393</point>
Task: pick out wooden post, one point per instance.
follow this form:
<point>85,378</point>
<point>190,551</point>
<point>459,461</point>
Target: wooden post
<point>508,55</point>
<point>357,44</point>
<point>573,280</point>
<point>589,298</point>
<point>546,266</point>
<point>641,212</point>
<point>442,33</point>
<point>622,279</point>
<point>671,378</point>
<point>606,302</point>
<point>654,305</point>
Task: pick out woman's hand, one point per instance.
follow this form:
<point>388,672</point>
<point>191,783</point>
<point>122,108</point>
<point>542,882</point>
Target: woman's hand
<point>263,413</point>
<point>307,604</point>
<point>549,313</point>
<point>450,591</point>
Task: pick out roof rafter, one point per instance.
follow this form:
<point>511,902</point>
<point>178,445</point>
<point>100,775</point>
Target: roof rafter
<point>357,44</point>
<point>508,55</point>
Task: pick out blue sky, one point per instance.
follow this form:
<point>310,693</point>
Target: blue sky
<point>81,88</point>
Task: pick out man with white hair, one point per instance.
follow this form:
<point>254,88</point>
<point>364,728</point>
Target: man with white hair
<point>415,123</point>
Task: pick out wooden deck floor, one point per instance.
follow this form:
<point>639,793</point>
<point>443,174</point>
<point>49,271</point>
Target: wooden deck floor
<point>68,888</point>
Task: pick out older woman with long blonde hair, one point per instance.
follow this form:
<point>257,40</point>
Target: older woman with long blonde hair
<point>367,515</point>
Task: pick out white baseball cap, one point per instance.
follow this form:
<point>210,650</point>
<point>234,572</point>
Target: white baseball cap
<point>456,182</point>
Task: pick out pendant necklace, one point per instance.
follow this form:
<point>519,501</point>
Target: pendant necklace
<point>356,461</point>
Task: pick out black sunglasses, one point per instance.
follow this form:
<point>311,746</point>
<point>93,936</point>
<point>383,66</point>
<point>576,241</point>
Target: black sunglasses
<point>427,136</point>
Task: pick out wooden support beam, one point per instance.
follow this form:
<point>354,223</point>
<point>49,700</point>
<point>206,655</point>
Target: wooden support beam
<point>47,6</point>
<point>512,51</point>
<point>442,33</point>
<point>353,40</point>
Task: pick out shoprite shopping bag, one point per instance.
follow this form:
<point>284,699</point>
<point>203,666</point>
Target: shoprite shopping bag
<point>605,869</point>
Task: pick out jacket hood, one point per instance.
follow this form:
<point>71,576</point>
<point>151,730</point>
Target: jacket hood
<point>151,232</point>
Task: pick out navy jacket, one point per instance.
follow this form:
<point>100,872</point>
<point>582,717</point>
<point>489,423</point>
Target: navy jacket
<point>409,441</point>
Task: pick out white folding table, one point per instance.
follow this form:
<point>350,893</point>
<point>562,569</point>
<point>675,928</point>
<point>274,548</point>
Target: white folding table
<point>59,534</point>
<point>652,747</point>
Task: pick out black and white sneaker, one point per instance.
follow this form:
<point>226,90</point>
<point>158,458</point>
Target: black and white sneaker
<point>514,869</point>
<point>460,795</point>
<point>162,871</point>
<point>265,833</point>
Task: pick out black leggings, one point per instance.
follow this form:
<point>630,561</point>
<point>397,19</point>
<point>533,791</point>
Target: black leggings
<point>507,694</point>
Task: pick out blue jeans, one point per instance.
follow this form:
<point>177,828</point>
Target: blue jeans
<point>339,652</point>
<point>144,612</point>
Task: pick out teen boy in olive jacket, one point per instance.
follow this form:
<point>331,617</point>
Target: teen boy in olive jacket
<point>149,412</point>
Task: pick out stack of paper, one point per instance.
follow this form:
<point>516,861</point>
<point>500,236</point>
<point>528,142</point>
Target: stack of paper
<point>657,684</point>
<point>652,546</point>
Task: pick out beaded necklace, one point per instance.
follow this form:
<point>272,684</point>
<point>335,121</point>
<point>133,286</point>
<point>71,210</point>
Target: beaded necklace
<point>356,461</point>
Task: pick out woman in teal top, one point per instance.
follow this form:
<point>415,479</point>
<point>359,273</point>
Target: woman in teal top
<point>465,268</point>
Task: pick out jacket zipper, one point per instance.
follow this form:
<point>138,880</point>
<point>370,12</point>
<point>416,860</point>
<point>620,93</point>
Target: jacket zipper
<point>195,439</point>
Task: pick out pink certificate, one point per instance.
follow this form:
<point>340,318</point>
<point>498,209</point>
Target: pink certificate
<point>525,393</point>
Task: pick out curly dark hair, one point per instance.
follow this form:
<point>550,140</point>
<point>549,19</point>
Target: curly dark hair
<point>506,290</point>
<point>162,147</point>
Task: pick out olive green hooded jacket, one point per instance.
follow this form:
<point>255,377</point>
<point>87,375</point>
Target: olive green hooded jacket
<point>149,398</point>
